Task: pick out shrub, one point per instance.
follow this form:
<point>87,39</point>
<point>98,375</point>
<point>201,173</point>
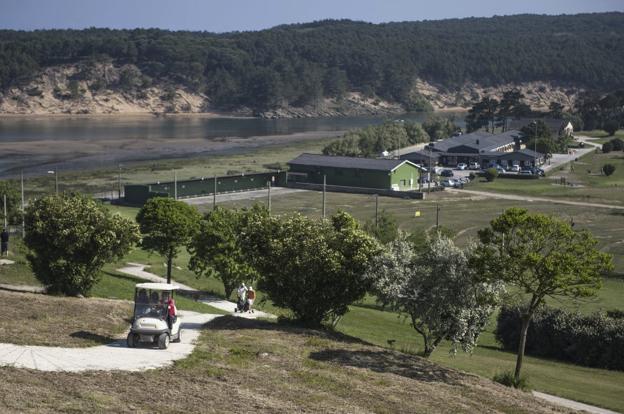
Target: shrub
<point>491,174</point>
<point>472,176</point>
<point>507,378</point>
<point>608,169</point>
<point>592,340</point>
<point>617,144</point>
<point>607,147</point>
<point>70,238</point>
<point>611,126</point>
<point>315,269</point>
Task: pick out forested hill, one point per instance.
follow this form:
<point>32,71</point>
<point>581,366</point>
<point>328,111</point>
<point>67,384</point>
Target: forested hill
<point>300,64</point>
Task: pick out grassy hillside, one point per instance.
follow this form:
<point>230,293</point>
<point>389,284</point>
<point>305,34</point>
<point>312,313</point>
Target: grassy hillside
<point>255,366</point>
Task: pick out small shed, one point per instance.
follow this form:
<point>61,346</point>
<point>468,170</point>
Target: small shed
<point>398,175</point>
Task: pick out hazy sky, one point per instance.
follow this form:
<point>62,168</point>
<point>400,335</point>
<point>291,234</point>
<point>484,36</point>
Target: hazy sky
<point>228,15</point>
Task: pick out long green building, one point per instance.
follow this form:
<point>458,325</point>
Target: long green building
<point>397,175</point>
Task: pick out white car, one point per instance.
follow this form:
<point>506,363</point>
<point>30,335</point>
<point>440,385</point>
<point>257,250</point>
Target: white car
<point>515,168</point>
<point>474,166</point>
<point>461,166</point>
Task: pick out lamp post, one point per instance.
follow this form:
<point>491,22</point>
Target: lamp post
<point>55,172</point>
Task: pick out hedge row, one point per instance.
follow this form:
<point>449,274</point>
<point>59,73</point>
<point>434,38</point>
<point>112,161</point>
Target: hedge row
<point>595,340</point>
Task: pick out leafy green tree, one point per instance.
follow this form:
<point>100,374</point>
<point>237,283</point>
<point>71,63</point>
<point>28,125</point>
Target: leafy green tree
<point>542,256</point>
<point>482,114</point>
<point>13,199</point>
<point>315,269</point>
<point>216,249</point>
<point>611,126</point>
<point>167,225</point>
<point>437,289</point>
<point>71,237</point>
<point>607,147</point>
<point>490,174</point>
<point>511,105</point>
<point>439,127</point>
<point>608,169</point>
<point>416,134</point>
<point>386,229</point>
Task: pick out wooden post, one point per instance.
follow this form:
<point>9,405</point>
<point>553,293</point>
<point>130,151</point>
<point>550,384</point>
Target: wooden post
<point>324,185</point>
<point>214,194</point>
<point>269,196</point>
<point>23,215</point>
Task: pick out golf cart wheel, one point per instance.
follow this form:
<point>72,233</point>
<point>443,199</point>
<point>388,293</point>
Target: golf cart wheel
<point>163,341</point>
<point>131,340</point>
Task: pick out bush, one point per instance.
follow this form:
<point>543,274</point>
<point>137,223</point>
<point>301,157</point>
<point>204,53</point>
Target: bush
<point>591,340</point>
<point>314,268</point>
<point>491,174</point>
<point>611,126</point>
<point>617,144</point>
<point>70,238</point>
<point>608,169</point>
<point>507,378</point>
<point>607,147</point>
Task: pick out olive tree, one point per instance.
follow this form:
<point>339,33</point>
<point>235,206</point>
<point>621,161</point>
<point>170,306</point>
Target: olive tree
<point>436,289</point>
<point>542,256</point>
<point>217,250</point>
<point>167,225</point>
<point>314,268</point>
<point>71,237</point>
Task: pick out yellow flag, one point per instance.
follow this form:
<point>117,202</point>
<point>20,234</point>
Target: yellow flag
<point>417,213</point>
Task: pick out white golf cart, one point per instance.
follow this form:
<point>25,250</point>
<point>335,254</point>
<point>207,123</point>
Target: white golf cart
<point>150,323</point>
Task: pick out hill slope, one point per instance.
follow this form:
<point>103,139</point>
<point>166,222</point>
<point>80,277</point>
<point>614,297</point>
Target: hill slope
<point>317,65</point>
<point>243,366</point>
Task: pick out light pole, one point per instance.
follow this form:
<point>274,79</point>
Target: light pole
<point>23,214</point>
<point>119,181</point>
<point>55,172</point>
<point>535,145</point>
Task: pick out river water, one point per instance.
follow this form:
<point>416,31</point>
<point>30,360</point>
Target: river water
<point>34,144</point>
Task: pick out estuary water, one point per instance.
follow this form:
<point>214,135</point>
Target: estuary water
<point>34,144</point>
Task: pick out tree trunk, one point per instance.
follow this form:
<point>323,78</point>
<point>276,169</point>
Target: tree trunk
<point>169,263</point>
<point>526,319</point>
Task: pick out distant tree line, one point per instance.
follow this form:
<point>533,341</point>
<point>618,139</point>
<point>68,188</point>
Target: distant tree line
<point>300,64</point>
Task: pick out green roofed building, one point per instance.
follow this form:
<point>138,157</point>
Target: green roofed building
<point>397,175</point>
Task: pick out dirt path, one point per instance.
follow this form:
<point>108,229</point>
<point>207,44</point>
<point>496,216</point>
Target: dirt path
<point>138,270</point>
<point>531,199</point>
<point>114,356</point>
<point>564,402</point>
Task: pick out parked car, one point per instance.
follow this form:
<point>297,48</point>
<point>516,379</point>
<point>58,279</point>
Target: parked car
<point>450,183</point>
<point>499,169</point>
<point>534,171</point>
<point>526,172</point>
<point>461,166</point>
<point>514,168</point>
<point>446,173</point>
<point>474,166</point>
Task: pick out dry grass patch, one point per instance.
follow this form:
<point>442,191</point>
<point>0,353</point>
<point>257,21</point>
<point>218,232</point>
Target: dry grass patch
<point>255,366</point>
<point>31,319</point>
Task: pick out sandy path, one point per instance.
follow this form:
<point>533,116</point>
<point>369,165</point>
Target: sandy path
<point>114,356</point>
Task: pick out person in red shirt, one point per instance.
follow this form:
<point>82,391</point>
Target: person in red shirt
<point>172,312</point>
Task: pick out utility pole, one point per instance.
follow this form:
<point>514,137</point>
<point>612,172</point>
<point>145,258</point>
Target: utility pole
<point>214,194</point>
<point>429,173</point>
<point>23,215</point>
<point>269,196</point>
<point>324,185</point>
<point>119,182</point>
<point>5,210</point>
<point>56,181</point>
<point>175,185</point>
<point>437,217</point>
<point>376,211</point>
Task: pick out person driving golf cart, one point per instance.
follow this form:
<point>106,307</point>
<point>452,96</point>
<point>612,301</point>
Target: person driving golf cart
<point>152,321</point>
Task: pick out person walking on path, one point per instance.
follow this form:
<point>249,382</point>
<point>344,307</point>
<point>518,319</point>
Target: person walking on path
<point>251,296</point>
<point>172,312</point>
<point>4,242</point>
<point>242,298</point>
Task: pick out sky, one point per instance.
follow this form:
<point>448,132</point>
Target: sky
<point>233,15</point>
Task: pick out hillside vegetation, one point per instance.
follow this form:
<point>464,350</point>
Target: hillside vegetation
<point>306,64</point>
<point>243,365</point>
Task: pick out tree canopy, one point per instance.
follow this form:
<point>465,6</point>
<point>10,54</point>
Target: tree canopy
<point>301,63</point>
<point>167,226</point>
<point>217,250</point>
<point>437,289</point>
<point>541,255</point>
<point>13,200</point>
<point>71,237</point>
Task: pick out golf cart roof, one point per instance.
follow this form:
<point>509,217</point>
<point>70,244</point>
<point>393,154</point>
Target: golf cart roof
<point>157,286</point>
